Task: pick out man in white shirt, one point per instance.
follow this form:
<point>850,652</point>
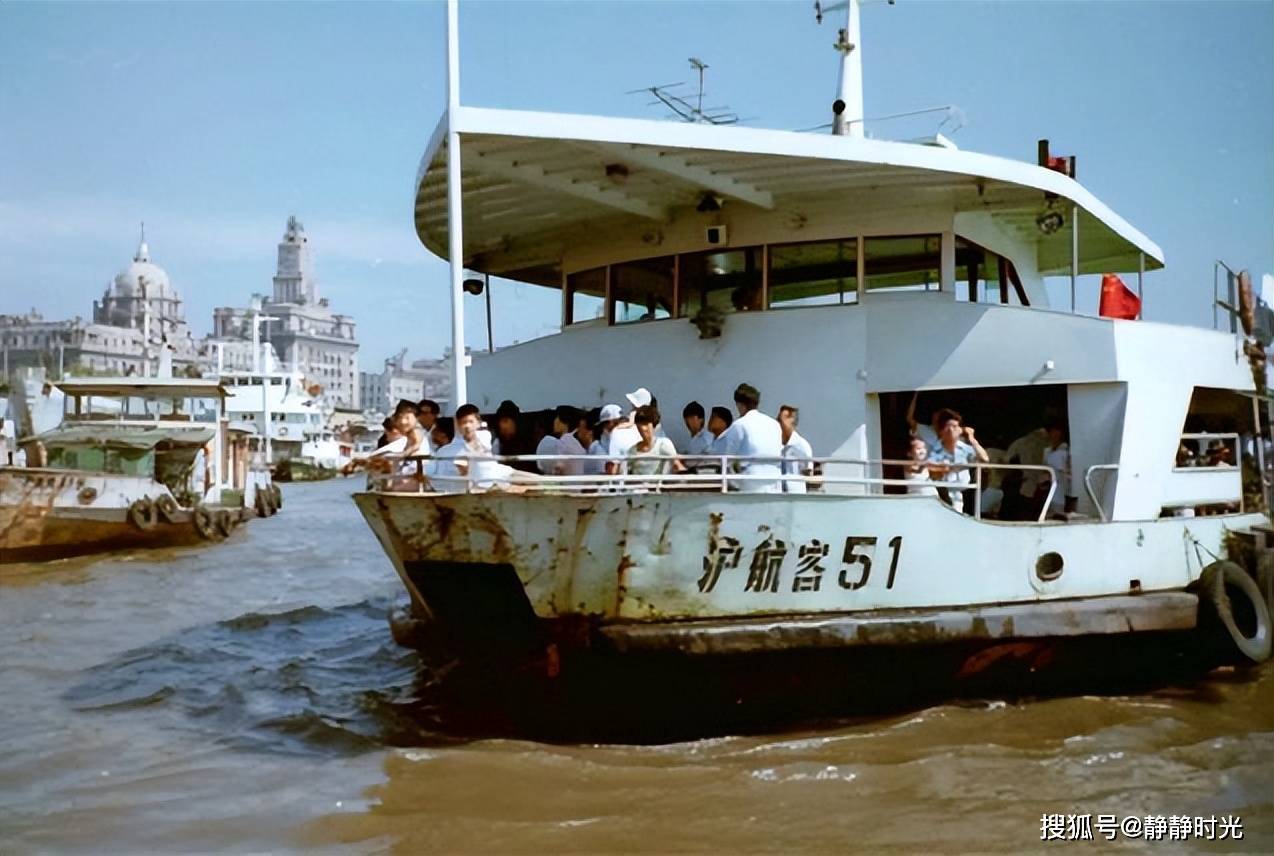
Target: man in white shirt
<point>459,463</point>
<point>754,435</point>
<point>1023,503</point>
<point>700,437</point>
<point>575,440</point>
<point>427,413</point>
<point>1058,456</point>
<point>719,422</point>
<point>550,443</point>
<point>798,456</point>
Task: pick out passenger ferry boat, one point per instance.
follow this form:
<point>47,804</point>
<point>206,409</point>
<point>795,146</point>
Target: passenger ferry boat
<point>274,403</point>
<point>844,275</point>
<point>136,462</point>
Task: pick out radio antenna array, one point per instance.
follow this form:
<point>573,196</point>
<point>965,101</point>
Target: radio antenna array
<point>679,102</point>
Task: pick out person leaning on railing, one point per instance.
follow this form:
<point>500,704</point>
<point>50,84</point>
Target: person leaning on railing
<point>468,457</point>
<point>957,448</point>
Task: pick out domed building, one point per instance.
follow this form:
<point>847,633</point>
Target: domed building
<point>140,288</point>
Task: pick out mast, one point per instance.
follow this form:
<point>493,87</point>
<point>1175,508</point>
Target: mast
<point>847,109</point>
<point>455,218</point>
<point>848,119</point>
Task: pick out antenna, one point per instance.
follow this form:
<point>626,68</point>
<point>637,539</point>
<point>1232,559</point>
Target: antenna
<point>699,66</point>
<point>681,105</point>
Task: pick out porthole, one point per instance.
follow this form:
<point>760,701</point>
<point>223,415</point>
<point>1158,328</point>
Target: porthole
<point>1048,567</point>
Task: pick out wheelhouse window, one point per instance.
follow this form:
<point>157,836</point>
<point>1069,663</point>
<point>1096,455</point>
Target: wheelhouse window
<point>813,274</point>
<point>911,263</point>
<point>586,295</point>
<point>779,276</point>
<point>977,276</point>
<point>643,290</point>
<point>726,280</point>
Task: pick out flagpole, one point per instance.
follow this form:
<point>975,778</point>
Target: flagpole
<point>455,218</point>
<point>1074,252</point>
<point>1141,273</point>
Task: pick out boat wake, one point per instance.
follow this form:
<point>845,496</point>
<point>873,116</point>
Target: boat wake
<point>310,680</point>
<point>330,682</point>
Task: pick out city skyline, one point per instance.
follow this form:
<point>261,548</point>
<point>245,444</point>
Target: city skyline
<point>214,123</point>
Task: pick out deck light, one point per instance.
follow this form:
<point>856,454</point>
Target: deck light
<point>708,202</point>
<point>1050,221</point>
<point>617,173</point>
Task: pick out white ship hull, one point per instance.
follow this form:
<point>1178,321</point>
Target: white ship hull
<point>711,573</point>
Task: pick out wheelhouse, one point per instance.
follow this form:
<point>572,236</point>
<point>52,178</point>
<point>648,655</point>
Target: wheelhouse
<point>838,274</point>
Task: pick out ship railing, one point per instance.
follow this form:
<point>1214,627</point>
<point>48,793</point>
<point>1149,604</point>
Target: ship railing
<point>717,473</point>
<point>1092,493</point>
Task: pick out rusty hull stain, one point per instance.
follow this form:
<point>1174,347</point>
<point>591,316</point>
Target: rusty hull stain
<point>714,529</point>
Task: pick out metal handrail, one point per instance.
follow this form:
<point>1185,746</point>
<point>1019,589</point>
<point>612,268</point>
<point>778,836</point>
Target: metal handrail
<point>1088,488</point>
<point>725,478</point>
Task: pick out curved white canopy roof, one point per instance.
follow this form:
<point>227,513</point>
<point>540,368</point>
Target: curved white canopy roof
<point>536,184</point>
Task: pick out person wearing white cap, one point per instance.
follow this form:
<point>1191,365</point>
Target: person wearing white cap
<point>624,435</point>
<point>639,397</point>
<point>607,418</point>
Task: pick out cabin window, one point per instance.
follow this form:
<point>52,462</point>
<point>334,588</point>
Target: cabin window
<point>911,263</point>
<point>813,274</point>
<point>586,295</point>
<point>1216,440</point>
<point>977,277</point>
<point>728,281</point>
<point>643,290</point>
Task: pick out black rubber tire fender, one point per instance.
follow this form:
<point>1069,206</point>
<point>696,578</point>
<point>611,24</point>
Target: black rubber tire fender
<point>226,521</point>
<point>204,521</point>
<point>141,513</point>
<point>167,507</point>
<point>1265,581</point>
<point>276,493</point>
<point>1220,582</point>
<point>261,502</point>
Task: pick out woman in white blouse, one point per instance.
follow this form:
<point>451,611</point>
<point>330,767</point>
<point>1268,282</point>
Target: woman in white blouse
<point>652,455</point>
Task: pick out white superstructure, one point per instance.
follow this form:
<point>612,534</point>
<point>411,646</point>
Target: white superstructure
<point>297,419</point>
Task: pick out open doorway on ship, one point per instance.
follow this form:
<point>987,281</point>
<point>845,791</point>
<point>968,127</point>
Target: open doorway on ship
<point>1000,415</point>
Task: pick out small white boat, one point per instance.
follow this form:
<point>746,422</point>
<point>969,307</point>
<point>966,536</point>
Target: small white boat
<point>844,275</point>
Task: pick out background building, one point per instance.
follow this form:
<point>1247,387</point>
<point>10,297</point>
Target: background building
<point>306,334</point>
<point>139,316</point>
<point>422,379</point>
<point>29,341</point>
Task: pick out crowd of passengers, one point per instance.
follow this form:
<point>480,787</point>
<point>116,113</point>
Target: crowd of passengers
<point>942,455</point>
<point>571,441</point>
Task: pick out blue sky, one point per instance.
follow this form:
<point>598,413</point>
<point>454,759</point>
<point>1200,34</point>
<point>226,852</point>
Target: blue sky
<point>214,122</point>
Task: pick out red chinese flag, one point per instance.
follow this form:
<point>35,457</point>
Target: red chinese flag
<point>1117,301</point>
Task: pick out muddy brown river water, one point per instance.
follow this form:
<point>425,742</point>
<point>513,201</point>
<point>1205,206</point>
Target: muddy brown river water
<point>247,697</point>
